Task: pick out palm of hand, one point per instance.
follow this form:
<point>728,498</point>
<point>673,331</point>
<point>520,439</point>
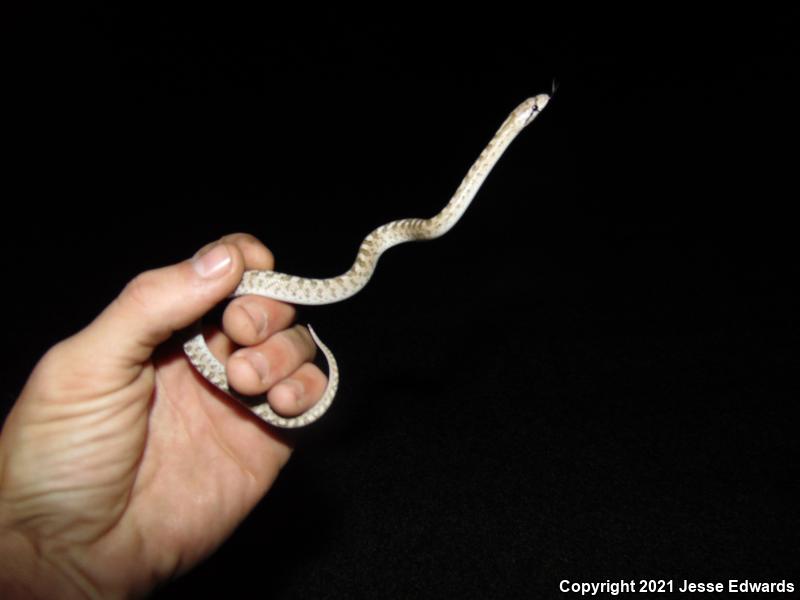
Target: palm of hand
<point>119,465</point>
<point>164,481</point>
<point>206,463</point>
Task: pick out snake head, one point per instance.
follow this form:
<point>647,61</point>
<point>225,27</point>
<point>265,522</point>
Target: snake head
<point>528,111</point>
<point>531,108</point>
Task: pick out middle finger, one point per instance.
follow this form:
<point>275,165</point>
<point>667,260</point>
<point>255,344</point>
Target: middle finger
<point>255,369</point>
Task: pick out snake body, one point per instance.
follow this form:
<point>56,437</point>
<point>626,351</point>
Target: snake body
<point>309,291</point>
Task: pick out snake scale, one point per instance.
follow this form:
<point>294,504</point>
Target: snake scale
<point>307,291</point>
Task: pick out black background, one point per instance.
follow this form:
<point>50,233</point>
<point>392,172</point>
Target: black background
<point>593,376</point>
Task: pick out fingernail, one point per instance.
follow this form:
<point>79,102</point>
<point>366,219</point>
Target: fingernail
<point>259,363</point>
<point>257,316</point>
<point>213,263</point>
<point>297,388</point>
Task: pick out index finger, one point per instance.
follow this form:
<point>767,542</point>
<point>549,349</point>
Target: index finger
<point>256,255</point>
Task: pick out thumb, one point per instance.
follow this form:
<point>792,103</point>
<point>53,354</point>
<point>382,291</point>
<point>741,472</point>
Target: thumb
<point>157,303</point>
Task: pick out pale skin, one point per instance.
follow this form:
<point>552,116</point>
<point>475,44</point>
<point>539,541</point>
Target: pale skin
<point>120,467</point>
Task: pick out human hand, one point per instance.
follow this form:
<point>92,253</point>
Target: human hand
<point>120,466</point>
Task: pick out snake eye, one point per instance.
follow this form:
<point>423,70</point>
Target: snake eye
<point>540,102</point>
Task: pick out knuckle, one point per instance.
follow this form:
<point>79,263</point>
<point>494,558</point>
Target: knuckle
<point>291,347</point>
<point>268,252</point>
<point>52,373</point>
<point>237,238</point>
<point>250,240</point>
<point>304,341</point>
<point>283,312</point>
<point>318,380</point>
<point>50,363</point>
<point>140,289</point>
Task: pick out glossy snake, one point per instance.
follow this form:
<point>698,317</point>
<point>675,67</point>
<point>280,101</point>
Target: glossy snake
<point>301,290</point>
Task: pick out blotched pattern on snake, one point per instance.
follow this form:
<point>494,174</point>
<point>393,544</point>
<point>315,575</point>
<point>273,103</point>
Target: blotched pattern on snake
<point>301,290</point>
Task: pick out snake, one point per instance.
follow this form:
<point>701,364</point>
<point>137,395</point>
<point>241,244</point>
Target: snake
<point>311,291</point>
